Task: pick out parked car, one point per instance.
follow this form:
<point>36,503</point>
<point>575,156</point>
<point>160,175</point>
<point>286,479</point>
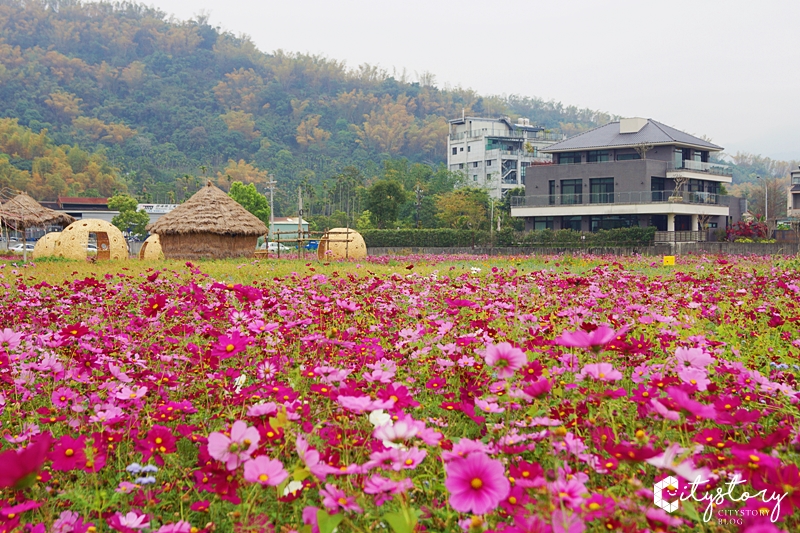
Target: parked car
<point>312,245</point>
<point>19,248</point>
<point>275,246</point>
<point>91,248</point>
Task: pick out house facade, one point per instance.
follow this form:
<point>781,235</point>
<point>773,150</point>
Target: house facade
<point>495,153</point>
<point>793,196</point>
<point>632,172</point>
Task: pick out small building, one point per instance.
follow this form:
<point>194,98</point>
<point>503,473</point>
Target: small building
<point>793,197</point>
<point>631,172</point>
<point>287,226</point>
<point>495,153</point>
<point>80,207</point>
<point>156,211</point>
<point>209,225</point>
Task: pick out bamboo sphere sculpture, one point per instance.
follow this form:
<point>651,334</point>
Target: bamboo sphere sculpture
<point>342,243</point>
<point>151,248</point>
<point>46,246</point>
<point>73,240</point>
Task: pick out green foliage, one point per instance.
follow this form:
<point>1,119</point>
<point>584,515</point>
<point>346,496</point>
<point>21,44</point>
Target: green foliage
<point>464,208</point>
<point>383,201</point>
<point>129,219</point>
<point>448,237</point>
<point>248,197</point>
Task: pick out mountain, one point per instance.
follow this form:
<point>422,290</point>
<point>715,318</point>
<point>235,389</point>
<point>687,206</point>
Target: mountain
<point>166,102</point>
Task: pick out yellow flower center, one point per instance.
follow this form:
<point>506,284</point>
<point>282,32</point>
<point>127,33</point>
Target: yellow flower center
<point>263,477</point>
<point>594,506</point>
<point>229,348</point>
<point>159,440</point>
<point>69,452</point>
<point>476,483</point>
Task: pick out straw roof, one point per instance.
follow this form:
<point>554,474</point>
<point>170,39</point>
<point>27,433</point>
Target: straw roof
<point>23,211</point>
<point>209,211</point>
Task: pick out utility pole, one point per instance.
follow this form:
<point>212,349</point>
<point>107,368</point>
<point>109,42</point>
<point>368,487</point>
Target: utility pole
<point>299,219</point>
<point>271,184</point>
<point>418,190</point>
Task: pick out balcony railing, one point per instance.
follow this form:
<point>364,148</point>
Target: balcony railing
<point>621,198</point>
<point>533,136</point>
<point>717,169</point>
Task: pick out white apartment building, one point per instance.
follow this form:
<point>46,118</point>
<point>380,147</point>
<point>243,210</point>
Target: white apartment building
<point>494,153</point>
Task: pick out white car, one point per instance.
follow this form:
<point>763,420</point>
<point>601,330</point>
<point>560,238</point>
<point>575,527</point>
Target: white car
<point>91,248</point>
<point>274,247</point>
<point>19,248</point>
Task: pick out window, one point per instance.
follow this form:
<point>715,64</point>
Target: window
<point>569,158</point>
<point>489,163</point>
<point>455,150</point>
<point>571,192</point>
<point>658,186</point>
<point>597,156</point>
<point>551,190</point>
<point>677,158</point>
<point>542,223</point>
<point>461,166</point>
<point>601,190</point>
<point>628,157</point>
<point>469,148</point>
<point>474,177</point>
<point>461,149</point>
<point>475,164</point>
<point>573,223</point>
<point>613,221</point>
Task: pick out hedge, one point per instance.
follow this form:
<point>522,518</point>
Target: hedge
<point>447,238</point>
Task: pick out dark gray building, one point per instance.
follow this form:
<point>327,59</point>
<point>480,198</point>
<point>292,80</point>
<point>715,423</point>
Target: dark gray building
<point>634,172</point>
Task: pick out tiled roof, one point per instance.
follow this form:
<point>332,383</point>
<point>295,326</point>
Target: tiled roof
<point>608,136</point>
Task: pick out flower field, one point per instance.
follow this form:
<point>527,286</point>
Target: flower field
<point>516,395</point>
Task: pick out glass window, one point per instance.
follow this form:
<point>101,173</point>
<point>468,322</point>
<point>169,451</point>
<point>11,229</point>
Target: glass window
<point>658,186</point>
<point>571,192</point>
<point>628,157</point>
<point>489,163</point>
<point>597,156</point>
<point>475,164</point>
<point>569,158</point>
<point>542,223</point>
<point>474,177</point>
<point>677,158</point>
<point>601,190</point>
<point>551,191</point>
<point>599,222</point>
<point>573,223</point>
<point>455,150</point>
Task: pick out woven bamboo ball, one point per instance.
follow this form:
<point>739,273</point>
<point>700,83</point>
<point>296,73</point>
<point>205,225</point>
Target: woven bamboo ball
<point>73,240</point>
<point>45,247</point>
<point>151,248</point>
<point>341,243</point>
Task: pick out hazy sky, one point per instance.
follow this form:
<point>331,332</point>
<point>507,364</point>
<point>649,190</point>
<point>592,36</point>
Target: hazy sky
<point>726,69</point>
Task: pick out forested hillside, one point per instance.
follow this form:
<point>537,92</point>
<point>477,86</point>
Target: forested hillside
<point>166,102</point>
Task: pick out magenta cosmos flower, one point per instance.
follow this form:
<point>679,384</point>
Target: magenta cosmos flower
<point>476,483</point>
<point>235,449</point>
<point>265,471</point>
<point>505,359</point>
<point>601,372</point>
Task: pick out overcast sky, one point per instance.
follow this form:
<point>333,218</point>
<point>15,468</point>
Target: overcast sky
<point>726,69</point>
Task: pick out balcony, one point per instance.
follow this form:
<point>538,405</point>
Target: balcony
<point>621,198</point>
<point>715,169</point>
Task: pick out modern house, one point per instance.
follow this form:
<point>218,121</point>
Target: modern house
<point>793,196</point>
<point>632,172</point>
<point>495,153</point>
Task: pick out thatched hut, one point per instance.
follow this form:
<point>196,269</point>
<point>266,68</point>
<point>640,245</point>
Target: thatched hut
<point>23,212</point>
<point>209,225</point>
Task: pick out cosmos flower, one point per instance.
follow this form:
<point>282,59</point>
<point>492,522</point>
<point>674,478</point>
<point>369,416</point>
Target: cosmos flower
<point>601,372</point>
<point>264,471</point>
<point>235,449</point>
<point>18,468</point>
<point>594,340</point>
<point>334,499</point>
<point>505,359</point>
<point>477,484</point>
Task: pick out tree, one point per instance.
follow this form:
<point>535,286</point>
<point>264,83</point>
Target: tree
<point>383,201</point>
<point>248,197</point>
<point>129,219</point>
<point>464,208</point>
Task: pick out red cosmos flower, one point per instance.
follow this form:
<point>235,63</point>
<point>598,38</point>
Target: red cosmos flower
<point>74,331</point>
<point>436,383</point>
<point>229,345</point>
<point>399,394</point>
<point>18,468</point>
<point>154,305</point>
<point>69,453</point>
<point>159,440</point>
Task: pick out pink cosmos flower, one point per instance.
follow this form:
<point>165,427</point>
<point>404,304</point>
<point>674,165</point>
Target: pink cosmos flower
<point>601,372</point>
<point>401,430</point>
<point>9,340</point>
<point>384,488</point>
<point>128,393</point>
<point>178,527</point>
<point>594,340</point>
<point>130,520</point>
<point>362,404</point>
<point>694,376</point>
<point>335,498</point>
<point>696,408</point>
<point>235,449</point>
<point>567,522</point>
<point>229,345</point>
<point>505,359</point>
<point>477,484</point>
<point>569,492</point>
<point>265,471</point>
<point>694,357</point>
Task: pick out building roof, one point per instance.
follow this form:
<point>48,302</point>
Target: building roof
<point>287,220</point>
<point>209,210</point>
<point>609,136</point>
